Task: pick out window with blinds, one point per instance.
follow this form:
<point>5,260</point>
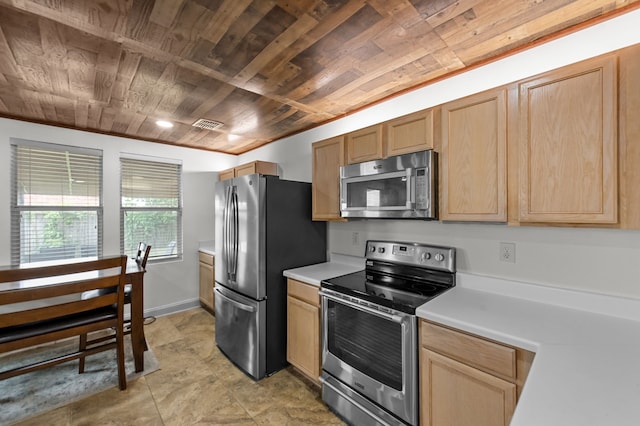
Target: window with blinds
<point>151,207</point>
<point>56,202</point>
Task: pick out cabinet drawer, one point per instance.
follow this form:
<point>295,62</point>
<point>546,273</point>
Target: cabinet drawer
<point>483,354</point>
<point>302,291</point>
<point>205,258</point>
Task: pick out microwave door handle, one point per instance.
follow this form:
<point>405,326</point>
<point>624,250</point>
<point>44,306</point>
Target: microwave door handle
<point>411,196</point>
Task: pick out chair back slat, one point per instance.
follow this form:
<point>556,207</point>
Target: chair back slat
<point>143,254</point>
<point>32,301</point>
<point>58,310</point>
<point>27,273</point>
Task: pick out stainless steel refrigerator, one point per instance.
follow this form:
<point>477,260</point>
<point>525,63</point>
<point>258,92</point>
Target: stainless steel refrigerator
<point>262,227</point>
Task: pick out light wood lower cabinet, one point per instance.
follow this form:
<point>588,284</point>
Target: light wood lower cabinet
<point>303,328</point>
<point>467,380</point>
<point>206,281</point>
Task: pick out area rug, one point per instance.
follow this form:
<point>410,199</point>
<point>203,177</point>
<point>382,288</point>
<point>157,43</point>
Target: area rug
<point>34,393</point>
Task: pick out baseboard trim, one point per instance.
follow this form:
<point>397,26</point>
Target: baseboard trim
<point>172,308</point>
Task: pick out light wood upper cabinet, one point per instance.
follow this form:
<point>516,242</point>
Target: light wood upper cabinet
<point>473,167</point>
<point>327,157</point>
<point>261,167</point>
<point>629,138</point>
<point>365,144</point>
<point>411,133</point>
<point>206,281</point>
<point>303,328</point>
<point>568,145</point>
<point>227,174</point>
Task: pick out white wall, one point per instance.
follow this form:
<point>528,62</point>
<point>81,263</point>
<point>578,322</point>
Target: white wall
<point>169,285</point>
<point>597,260</point>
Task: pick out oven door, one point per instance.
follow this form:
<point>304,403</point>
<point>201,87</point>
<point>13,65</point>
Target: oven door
<point>371,351</point>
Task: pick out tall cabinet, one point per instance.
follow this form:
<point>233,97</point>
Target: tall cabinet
<point>328,156</point>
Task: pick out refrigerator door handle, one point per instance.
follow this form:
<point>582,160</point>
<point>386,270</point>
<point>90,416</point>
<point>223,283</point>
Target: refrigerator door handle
<point>226,231</point>
<point>234,237</point>
<point>235,303</point>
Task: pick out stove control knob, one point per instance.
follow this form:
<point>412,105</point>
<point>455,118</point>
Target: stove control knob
<point>425,256</point>
<point>372,249</point>
<point>439,257</point>
<point>381,250</point>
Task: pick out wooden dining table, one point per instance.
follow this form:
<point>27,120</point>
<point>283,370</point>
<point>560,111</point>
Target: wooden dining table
<point>135,277</point>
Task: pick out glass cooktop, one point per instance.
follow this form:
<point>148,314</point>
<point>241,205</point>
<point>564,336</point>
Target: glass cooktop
<point>397,292</point>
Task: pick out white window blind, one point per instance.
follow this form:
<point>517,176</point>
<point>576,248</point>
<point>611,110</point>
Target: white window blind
<point>56,202</point>
<point>151,207</point>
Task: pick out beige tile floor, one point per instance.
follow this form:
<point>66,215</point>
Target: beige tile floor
<point>196,384</point>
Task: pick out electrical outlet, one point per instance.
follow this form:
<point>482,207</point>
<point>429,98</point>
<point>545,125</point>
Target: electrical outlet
<point>355,238</point>
<point>508,252</point>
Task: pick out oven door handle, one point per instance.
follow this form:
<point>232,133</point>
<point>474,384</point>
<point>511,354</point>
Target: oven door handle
<point>392,317</point>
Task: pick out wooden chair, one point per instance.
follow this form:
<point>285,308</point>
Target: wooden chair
<point>44,320</point>
<point>141,258</point>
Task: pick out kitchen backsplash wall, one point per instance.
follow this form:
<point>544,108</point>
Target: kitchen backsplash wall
<point>598,260</point>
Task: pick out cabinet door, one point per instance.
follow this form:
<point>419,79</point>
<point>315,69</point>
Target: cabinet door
<point>364,144</point>
<point>473,184</point>
<point>206,286</point>
<point>303,337</point>
<point>454,394</point>
<point>568,149</point>
<point>262,167</point>
<point>246,169</point>
<point>226,174</point>
<point>410,133</point>
<point>328,156</point>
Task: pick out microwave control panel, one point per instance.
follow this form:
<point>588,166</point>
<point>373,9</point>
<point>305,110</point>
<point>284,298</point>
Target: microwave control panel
<point>421,195</point>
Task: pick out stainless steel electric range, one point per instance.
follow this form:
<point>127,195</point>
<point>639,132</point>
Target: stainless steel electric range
<point>370,333</point>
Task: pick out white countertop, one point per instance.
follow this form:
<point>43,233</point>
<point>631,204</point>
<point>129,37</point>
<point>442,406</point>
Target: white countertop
<point>207,247</point>
<point>337,265</point>
<point>586,370</point>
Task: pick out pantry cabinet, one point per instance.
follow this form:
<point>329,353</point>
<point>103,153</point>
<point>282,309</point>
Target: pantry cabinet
<point>411,133</point>
<point>327,157</point>
<point>303,328</point>
<point>365,144</point>
<point>468,380</point>
<point>568,145</point>
<point>207,281</point>
<point>261,167</point>
<point>473,162</point>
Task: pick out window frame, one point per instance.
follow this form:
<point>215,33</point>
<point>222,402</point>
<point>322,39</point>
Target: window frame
<point>154,257</point>
<point>16,210</point>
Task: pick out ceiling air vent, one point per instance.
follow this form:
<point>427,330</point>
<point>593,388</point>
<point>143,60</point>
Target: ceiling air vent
<point>203,123</point>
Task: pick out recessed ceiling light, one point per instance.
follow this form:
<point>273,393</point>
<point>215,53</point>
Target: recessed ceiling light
<point>164,124</point>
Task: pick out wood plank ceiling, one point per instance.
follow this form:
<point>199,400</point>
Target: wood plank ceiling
<point>264,68</point>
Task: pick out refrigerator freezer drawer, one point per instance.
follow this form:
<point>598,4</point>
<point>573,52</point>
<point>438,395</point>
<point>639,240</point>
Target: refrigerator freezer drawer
<point>240,330</point>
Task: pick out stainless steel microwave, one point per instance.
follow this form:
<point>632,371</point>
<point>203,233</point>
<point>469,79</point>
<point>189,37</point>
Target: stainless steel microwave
<point>402,186</point>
